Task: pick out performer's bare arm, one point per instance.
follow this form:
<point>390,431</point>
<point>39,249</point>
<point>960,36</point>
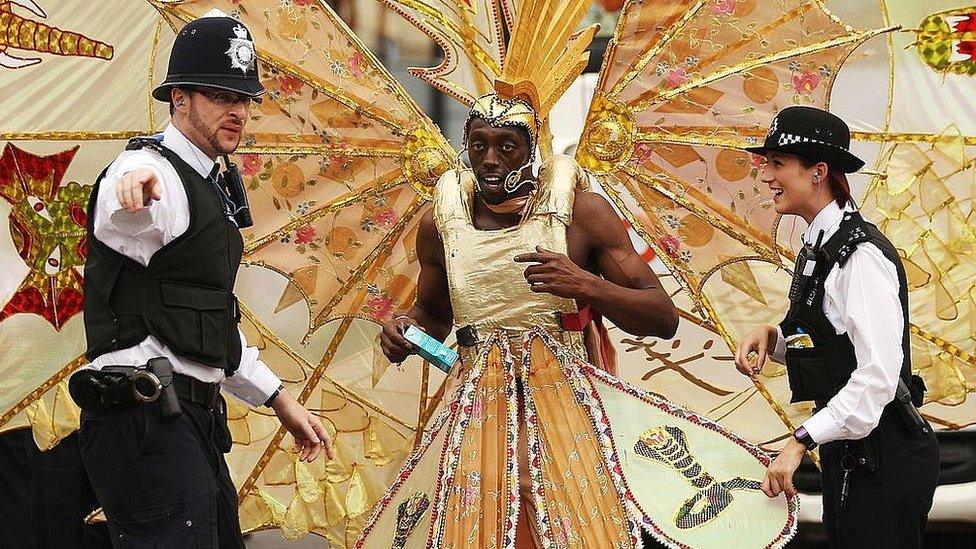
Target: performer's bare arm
<point>432,309</point>
<point>604,271</point>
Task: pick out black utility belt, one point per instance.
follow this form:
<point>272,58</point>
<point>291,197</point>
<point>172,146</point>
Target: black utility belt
<point>116,387</point>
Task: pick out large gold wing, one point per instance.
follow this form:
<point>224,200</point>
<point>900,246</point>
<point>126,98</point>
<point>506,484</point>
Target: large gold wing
<point>683,87</point>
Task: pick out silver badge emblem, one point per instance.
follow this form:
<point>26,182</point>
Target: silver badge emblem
<point>241,51</point>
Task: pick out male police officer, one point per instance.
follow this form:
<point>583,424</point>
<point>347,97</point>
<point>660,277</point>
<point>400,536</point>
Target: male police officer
<point>164,251</point>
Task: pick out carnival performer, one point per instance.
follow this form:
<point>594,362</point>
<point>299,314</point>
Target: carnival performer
<point>538,444</point>
<point>506,252</point>
<point>845,343</point>
<point>164,248</point>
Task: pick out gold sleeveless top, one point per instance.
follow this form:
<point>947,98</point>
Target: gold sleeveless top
<point>488,288</point>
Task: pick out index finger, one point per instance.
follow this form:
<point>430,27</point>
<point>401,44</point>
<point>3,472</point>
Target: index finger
<point>532,257</point>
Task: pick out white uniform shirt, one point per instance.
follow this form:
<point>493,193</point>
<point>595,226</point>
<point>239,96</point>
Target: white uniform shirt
<point>861,300</point>
<point>139,235</point>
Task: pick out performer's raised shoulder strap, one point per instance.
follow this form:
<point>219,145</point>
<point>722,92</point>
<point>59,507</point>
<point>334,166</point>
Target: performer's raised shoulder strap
<point>560,178</point>
<point>452,197</point>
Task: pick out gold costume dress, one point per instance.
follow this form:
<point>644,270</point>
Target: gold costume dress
<point>467,486</point>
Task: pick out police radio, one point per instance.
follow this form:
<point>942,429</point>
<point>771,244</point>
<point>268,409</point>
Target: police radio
<point>232,184</point>
<point>806,263</point>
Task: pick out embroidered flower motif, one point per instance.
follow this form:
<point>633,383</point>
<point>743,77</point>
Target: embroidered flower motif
<point>670,244</point>
<point>380,307</point>
<point>289,85</point>
<point>286,238</point>
<point>691,61</point>
<point>757,161</point>
<point>642,153</point>
<point>806,82</point>
<point>355,64</point>
<point>301,2</point>
<point>338,68</point>
<point>385,218</point>
<point>676,77</point>
<point>304,234</point>
<point>250,164</point>
<point>723,7</point>
<point>671,221</point>
<point>794,66</point>
<point>303,208</point>
<point>685,256</point>
<point>660,69</point>
<point>825,71</point>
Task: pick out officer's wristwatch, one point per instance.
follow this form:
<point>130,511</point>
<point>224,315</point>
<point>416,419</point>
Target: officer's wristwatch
<point>274,395</point>
<point>804,438</point>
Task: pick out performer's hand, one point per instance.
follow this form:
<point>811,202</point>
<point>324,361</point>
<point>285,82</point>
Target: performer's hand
<point>394,345</point>
<point>310,436</point>
<point>556,274</point>
<point>137,188</point>
<point>779,475</point>
<point>760,341</point>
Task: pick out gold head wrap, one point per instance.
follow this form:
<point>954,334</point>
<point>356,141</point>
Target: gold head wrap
<point>543,58</point>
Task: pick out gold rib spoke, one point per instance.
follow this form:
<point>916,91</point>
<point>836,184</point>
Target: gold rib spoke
<point>321,149</point>
<point>81,135</point>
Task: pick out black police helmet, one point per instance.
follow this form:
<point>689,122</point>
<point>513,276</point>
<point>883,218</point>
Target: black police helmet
<point>215,51</point>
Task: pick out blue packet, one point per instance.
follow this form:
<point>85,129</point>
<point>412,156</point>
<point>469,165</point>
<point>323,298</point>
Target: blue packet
<point>431,350</point>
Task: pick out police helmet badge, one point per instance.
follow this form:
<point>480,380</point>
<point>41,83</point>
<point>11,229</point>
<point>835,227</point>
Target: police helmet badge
<point>241,51</point>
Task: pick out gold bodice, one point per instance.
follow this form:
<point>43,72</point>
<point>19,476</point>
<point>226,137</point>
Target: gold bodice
<point>488,288</point>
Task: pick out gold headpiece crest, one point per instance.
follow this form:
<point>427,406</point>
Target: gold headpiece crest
<point>543,58</point>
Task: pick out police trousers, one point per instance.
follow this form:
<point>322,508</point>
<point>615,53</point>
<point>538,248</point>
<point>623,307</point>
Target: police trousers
<point>163,483</point>
<point>889,500</point>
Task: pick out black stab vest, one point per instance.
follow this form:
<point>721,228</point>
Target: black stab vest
<point>818,373</point>
<point>184,296</point>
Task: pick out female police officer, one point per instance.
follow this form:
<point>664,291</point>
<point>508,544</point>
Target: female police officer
<point>846,346</point>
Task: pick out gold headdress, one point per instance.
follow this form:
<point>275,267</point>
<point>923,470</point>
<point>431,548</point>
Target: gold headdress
<point>543,59</point>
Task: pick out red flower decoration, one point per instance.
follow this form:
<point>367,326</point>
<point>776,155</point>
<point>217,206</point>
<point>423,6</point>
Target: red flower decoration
<point>676,77</point>
<point>288,84</point>
<point>723,7</point>
<point>380,307</point>
<point>355,64</point>
<point>251,164</point>
<point>757,161</point>
<point>304,234</point>
<point>301,2</point>
<point>670,245</point>
<point>385,218</point>
<point>806,82</point>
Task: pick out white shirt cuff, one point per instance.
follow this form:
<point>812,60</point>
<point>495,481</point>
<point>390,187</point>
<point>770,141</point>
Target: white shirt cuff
<point>253,382</point>
<point>821,427</point>
<point>779,350</point>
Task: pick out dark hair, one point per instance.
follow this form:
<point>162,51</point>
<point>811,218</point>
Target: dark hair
<point>837,184</point>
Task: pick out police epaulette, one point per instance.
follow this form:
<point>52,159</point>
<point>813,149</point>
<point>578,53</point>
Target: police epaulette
<point>154,142</point>
<point>856,232</point>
